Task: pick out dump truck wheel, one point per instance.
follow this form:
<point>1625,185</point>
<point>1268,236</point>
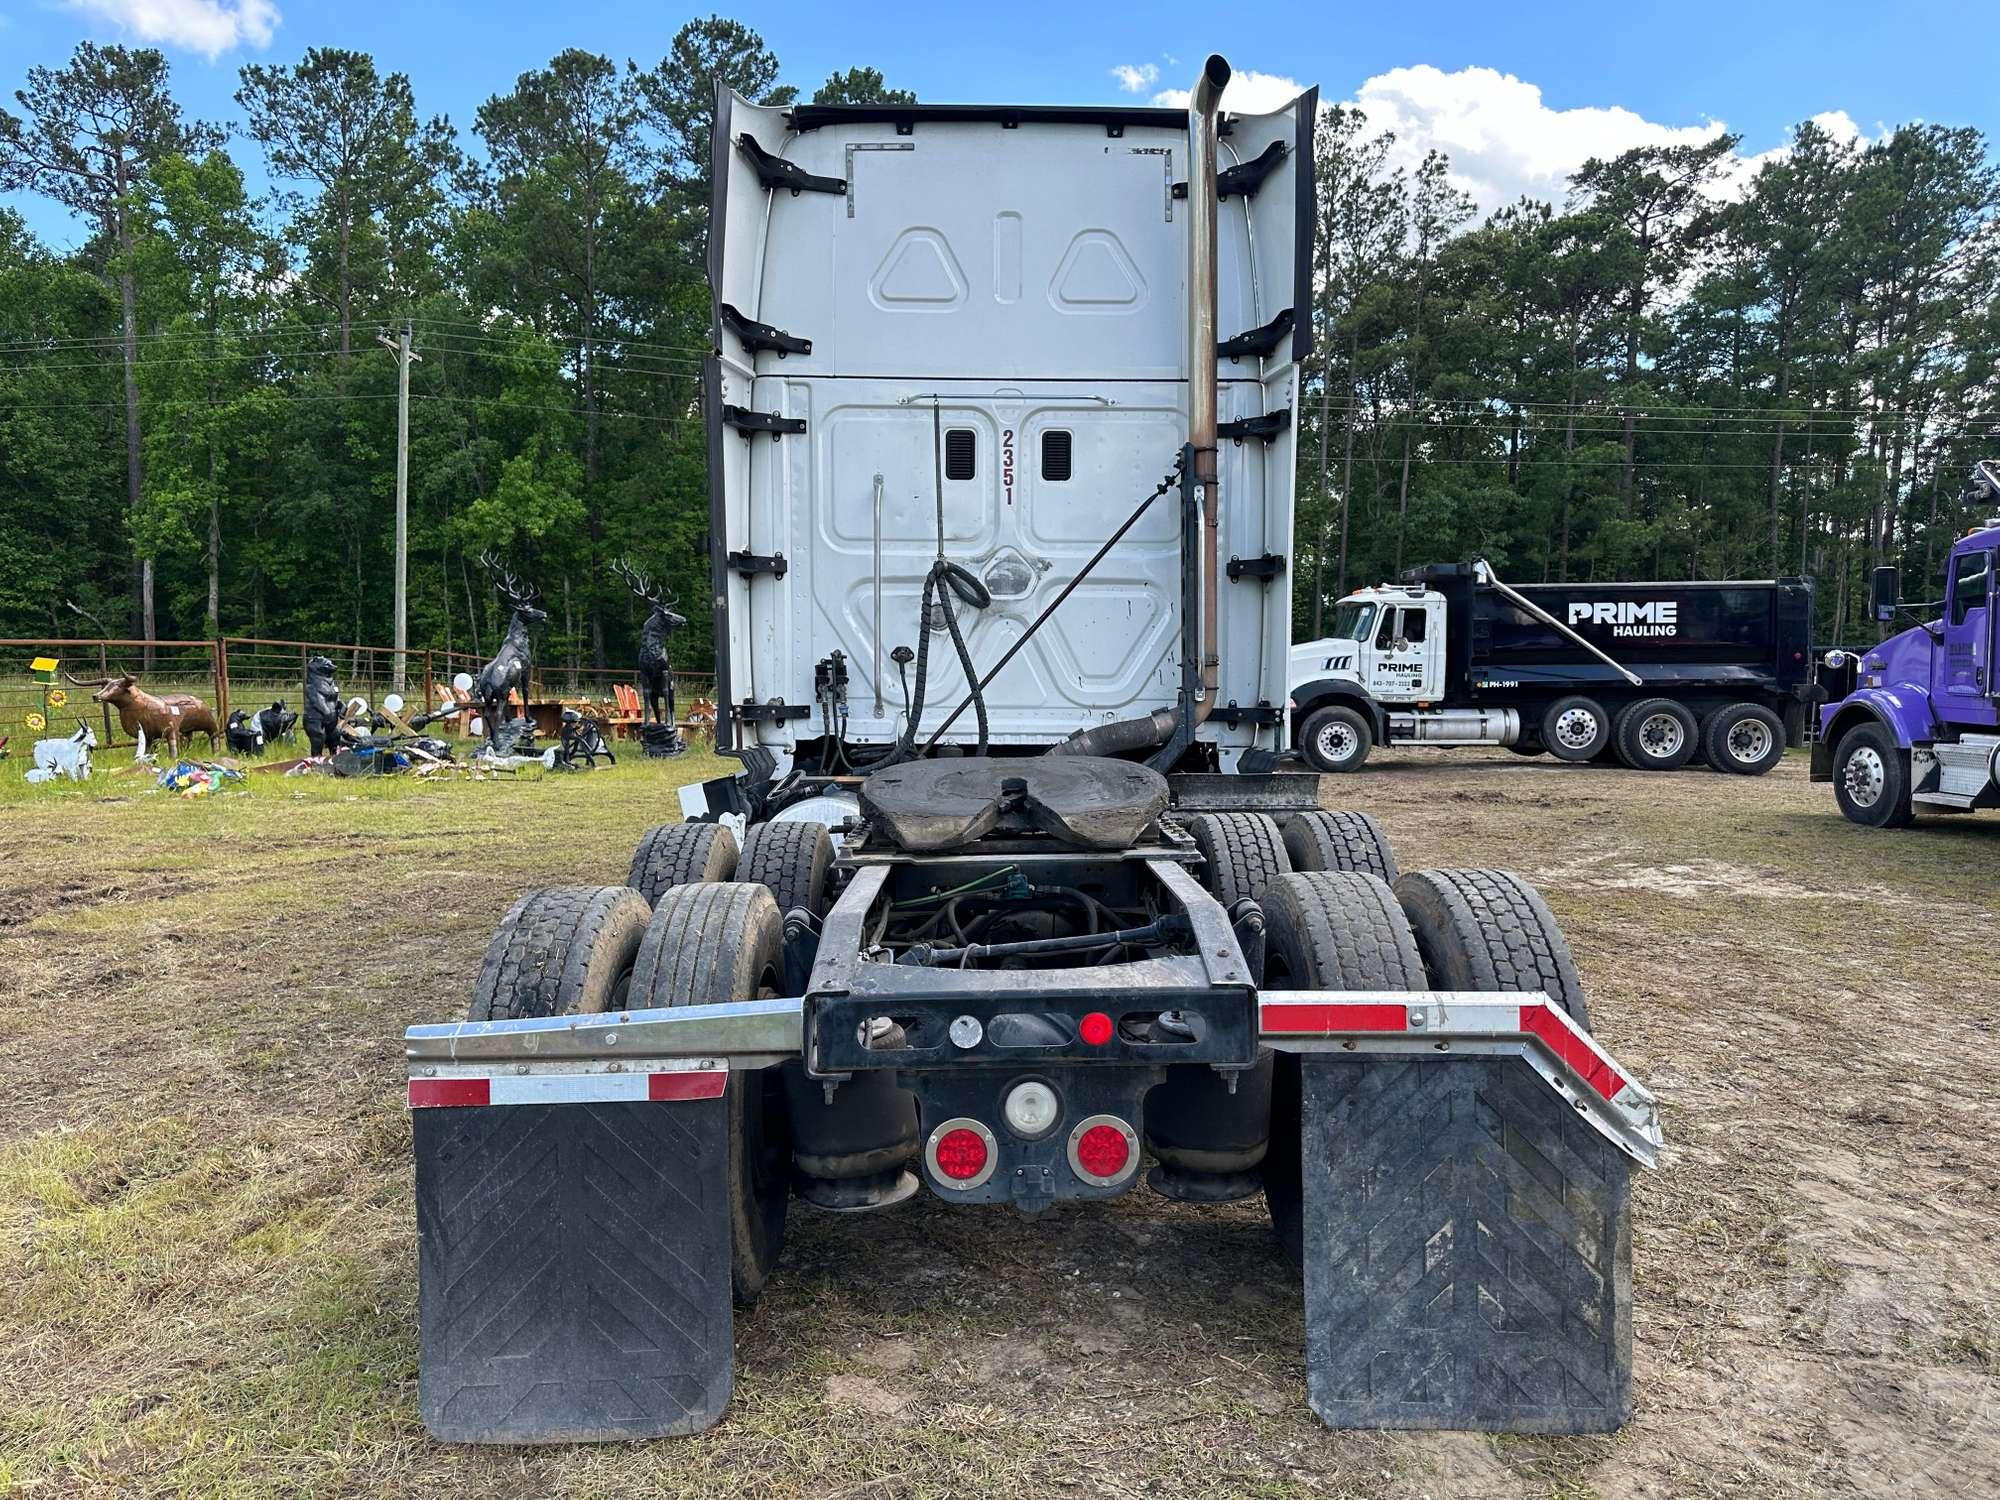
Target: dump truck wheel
<point>1335,738</point>
<point>1323,930</point>
<point>794,859</point>
<point>1576,729</point>
<point>1244,853</point>
<point>707,945</point>
<point>564,951</point>
<point>1656,734</point>
<point>1871,778</point>
<point>1340,841</point>
<point>1744,738</point>
<point>1490,930</point>
<point>681,854</point>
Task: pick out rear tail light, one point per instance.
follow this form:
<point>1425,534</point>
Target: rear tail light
<point>961,1154</point>
<point>1103,1150</point>
<point>1095,1029</point>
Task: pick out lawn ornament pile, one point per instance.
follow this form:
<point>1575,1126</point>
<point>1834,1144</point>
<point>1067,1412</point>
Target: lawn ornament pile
<point>514,663</point>
<point>197,778</point>
<point>172,717</point>
<point>245,733</point>
<point>656,668</point>
<point>278,722</point>
<point>68,758</point>
<point>324,730</point>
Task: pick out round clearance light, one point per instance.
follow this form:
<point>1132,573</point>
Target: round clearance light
<point>1103,1150</point>
<point>1095,1029</point>
<point>1030,1109</point>
<point>961,1154</point>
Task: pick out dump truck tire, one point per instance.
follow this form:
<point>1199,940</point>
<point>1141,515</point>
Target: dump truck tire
<point>1324,930</point>
<point>1657,734</point>
<point>1745,739</point>
<point>1871,778</point>
<point>1490,930</point>
<point>795,860</point>
<point>1576,729</point>
<point>1340,841</point>
<point>1244,853</point>
<point>564,951</point>
<point>681,854</point>
<point>707,945</point>
<point>1335,738</point>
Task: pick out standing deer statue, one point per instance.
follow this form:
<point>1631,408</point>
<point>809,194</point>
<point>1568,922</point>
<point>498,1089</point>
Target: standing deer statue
<point>656,671</point>
<point>166,718</point>
<point>513,663</point>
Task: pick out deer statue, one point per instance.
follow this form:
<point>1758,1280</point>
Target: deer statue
<point>656,672</point>
<point>167,718</point>
<point>512,664</point>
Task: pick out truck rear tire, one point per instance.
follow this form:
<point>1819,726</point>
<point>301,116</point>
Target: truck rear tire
<point>1871,778</point>
<point>1244,853</point>
<point>794,859</point>
<point>1746,739</point>
<point>1490,930</point>
<point>681,854</point>
<point>1335,738</point>
<point>1323,930</point>
<point>707,945</point>
<point>1340,841</point>
<point>564,951</point>
<point>1576,729</point>
<point>1656,734</point>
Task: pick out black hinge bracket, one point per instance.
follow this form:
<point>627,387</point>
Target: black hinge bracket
<point>757,335</point>
<point>1257,342</point>
<point>1266,427</point>
<point>1243,180</point>
<point>770,712</point>
<point>776,172</point>
<point>1265,568</point>
<point>750,564</point>
<point>1263,713</point>
<point>749,422</point>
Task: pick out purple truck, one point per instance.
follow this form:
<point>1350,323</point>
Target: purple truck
<point>1920,729</point>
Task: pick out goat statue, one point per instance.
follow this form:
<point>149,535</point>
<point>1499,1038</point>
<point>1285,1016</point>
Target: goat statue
<point>656,672</point>
<point>514,663</point>
<point>170,717</point>
<point>70,757</point>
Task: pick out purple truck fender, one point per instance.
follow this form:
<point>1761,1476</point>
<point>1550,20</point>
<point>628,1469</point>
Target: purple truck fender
<point>1903,705</point>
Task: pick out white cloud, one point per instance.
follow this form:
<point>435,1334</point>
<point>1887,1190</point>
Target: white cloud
<point>1132,79</point>
<point>210,27</point>
<point>1249,93</point>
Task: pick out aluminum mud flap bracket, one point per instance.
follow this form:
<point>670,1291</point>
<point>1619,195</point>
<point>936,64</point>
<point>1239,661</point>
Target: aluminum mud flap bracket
<point>573,1222</point>
<point>1466,1170</point>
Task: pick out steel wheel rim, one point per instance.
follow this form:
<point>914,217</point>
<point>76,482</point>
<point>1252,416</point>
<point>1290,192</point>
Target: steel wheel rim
<point>1661,736</point>
<point>1749,740</point>
<point>1863,776</point>
<point>1576,727</point>
<point>1336,741</point>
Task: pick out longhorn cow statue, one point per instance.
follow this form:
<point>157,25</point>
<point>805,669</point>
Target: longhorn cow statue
<point>514,662</point>
<point>656,672</point>
<point>169,718</point>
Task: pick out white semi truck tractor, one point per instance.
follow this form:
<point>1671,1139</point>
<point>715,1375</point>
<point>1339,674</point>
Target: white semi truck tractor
<point>1008,905</point>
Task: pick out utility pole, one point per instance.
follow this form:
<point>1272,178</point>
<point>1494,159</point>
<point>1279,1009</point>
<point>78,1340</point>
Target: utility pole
<point>404,357</point>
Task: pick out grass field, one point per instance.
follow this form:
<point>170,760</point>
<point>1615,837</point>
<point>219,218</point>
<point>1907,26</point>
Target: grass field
<point>207,1270</point>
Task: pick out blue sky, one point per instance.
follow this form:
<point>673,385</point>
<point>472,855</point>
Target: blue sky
<point>1517,95</point>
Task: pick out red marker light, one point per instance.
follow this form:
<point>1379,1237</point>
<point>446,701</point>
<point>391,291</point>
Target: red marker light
<point>1095,1029</point>
<point>961,1154</point>
<point>1103,1151</point>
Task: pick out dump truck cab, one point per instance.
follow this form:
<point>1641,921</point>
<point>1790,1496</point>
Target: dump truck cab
<point>1008,903</point>
<point>1921,729</point>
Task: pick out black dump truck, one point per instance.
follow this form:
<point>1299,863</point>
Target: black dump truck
<point>1655,674</point>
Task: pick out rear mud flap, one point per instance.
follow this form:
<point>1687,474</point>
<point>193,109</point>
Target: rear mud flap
<point>1468,1251</point>
<point>573,1270</point>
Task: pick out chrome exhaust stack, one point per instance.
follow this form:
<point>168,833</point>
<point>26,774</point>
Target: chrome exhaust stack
<point>1204,117</point>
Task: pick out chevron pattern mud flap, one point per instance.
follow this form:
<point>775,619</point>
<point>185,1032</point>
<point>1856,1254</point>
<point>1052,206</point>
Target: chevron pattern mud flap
<point>1468,1250</point>
<point>573,1265</point>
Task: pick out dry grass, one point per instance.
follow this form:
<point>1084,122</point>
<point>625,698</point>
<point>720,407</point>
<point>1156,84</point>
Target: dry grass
<point>206,1248</point>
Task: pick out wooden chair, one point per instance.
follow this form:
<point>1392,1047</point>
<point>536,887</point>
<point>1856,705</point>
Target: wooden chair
<point>631,713</point>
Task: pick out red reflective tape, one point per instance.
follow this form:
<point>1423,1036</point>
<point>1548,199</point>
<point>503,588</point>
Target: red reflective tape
<point>1331,1018</point>
<point>706,1084</point>
<point>1540,1021</point>
<point>444,1093</point>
